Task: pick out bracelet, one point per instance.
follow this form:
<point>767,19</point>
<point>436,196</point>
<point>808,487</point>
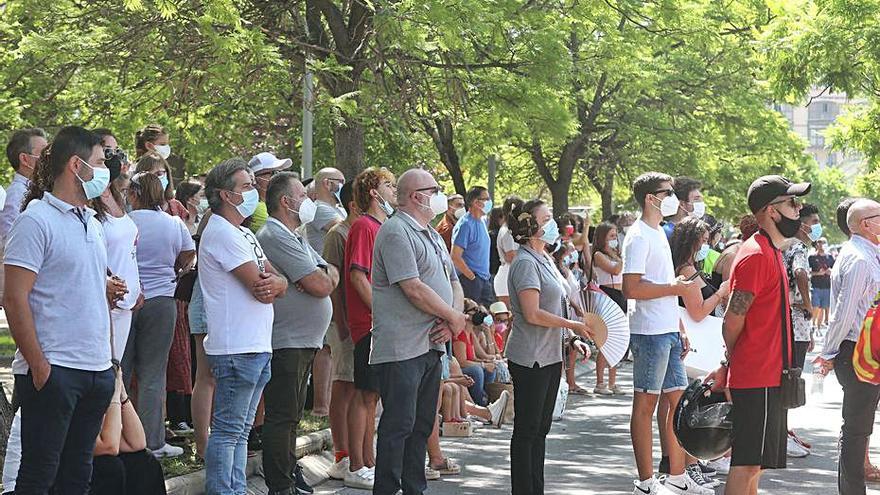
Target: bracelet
<point>126,401</point>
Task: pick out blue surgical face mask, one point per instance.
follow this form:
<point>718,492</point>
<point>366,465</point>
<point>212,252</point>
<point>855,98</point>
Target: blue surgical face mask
<point>249,205</point>
<point>815,232</point>
<point>488,321</point>
<point>702,253</point>
<point>163,179</point>
<point>98,184</point>
<point>387,208</point>
<point>551,232</point>
<point>487,207</point>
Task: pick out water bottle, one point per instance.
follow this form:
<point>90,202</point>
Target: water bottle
<point>818,387</point>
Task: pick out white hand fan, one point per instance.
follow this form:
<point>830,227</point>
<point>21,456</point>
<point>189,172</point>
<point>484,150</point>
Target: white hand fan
<point>609,324</point>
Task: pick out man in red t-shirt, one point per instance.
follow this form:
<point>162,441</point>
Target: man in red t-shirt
<point>757,315</point>
<point>374,194</point>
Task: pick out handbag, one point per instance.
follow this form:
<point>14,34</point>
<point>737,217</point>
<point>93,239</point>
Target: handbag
<point>792,387</point>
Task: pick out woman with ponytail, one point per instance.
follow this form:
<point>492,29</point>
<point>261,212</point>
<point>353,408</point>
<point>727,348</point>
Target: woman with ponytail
<point>534,349</point>
<point>165,252</point>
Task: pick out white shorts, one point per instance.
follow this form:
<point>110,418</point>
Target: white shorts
<point>501,281</point>
<point>121,320</point>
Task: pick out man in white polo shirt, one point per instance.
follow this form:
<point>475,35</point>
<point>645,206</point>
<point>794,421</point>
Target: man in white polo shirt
<point>63,375</point>
<point>239,286</point>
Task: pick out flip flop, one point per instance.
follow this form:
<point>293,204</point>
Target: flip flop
<point>578,391</point>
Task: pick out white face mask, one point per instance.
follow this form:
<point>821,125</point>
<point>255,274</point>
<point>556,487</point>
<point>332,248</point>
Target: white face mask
<point>306,211</point>
<point>699,210</point>
<point>164,150</point>
<point>436,203</point>
<point>669,205</point>
<point>613,243</point>
<point>459,213</point>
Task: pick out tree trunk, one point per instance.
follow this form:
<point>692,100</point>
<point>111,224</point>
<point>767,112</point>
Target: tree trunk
<point>443,136</point>
<point>348,143</point>
<point>559,193</point>
<point>607,193</point>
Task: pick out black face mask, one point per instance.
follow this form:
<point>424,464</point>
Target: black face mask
<point>788,227</point>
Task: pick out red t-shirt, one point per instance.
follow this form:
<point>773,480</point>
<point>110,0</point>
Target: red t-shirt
<point>359,256</point>
<point>756,360</point>
<point>468,344</point>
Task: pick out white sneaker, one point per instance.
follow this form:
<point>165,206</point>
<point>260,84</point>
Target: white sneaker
<point>361,479</point>
<point>650,487</point>
<point>603,390</point>
<point>685,485</point>
<point>498,407</point>
<point>721,466</point>
<point>337,471</point>
<point>795,449</point>
<point>167,451</point>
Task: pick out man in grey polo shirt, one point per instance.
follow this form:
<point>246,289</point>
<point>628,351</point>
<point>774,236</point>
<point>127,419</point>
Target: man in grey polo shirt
<point>301,319</point>
<point>63,376</point>
<point>413,316</point>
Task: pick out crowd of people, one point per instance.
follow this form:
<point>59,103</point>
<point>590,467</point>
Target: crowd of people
<point>221,305</point>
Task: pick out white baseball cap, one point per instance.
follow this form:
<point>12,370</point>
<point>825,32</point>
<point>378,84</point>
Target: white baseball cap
<point>267,161</point>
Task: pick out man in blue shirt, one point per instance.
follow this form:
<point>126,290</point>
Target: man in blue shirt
<point>470,247</point>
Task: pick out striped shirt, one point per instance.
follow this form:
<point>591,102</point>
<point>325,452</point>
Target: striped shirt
<point>855,283</point>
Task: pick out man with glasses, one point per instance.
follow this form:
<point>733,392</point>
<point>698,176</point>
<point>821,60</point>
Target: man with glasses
<point>855,283</point>
<point>657,340</point>
<point>470,247</point>
<point>328,185</point>
<point>239,286</point>
<point>264,165</point>
<point>23,152</point>
<point>757,320</point>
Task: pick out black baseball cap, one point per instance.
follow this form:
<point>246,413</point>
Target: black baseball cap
<point>769,187</point>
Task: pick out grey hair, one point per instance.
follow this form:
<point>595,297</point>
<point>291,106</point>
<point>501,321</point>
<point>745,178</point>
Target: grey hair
<point>220,178</point>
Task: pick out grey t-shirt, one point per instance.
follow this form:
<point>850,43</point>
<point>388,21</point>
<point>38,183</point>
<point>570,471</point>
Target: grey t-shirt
<point>529,344</point>
<point>65,247</point>
<point>325,215</point>
<point>300,318</point>
<point>404,250</point>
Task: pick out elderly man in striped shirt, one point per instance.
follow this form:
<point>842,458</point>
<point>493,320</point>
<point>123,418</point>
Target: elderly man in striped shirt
<point>855,283</point>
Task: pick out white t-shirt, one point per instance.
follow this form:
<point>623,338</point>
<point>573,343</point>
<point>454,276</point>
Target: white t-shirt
<point>237,322</point>
<point>121,235</point>
<point>646,252</point>
<point>161,239</point>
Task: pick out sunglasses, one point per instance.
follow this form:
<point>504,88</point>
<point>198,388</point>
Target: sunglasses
<point>793,202</point>
<point>110,153</point>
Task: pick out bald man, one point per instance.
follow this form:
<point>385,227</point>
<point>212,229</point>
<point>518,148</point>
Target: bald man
<point>414,315</point>
<point>855,283</point>
<point>327,186</point>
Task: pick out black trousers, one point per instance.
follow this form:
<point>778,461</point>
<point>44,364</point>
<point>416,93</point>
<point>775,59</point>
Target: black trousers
<point>285,398</point>
<point>59,425</point>
<point>409,391</point>
<point>133,473</point>
<point>859,404</point>
<point>535,389</point>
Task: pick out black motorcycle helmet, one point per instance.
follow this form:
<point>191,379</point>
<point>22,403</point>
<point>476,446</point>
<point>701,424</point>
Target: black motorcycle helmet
<point>702,425</point>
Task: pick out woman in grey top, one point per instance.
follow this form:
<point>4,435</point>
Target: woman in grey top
<point>534,349</point>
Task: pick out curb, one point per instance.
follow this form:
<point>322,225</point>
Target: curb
<point>306,445</point>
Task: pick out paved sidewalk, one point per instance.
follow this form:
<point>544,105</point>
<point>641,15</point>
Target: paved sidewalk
<point>589,452</point>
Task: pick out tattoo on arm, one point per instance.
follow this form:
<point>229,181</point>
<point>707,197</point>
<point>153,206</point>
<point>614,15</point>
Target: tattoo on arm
<point>740,302</point>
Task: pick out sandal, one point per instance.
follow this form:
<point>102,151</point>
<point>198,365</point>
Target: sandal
<point>578,391</point>
<point>447,467</point>
<point>872,473</point>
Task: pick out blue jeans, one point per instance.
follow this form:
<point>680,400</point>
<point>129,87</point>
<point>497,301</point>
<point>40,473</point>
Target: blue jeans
<point>240,382</point>
<point>657,363</point>
<point>481,377</point>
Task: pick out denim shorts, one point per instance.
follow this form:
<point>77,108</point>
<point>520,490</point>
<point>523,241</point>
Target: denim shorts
<point>657,363</point>
<point>198,321</point>
<point>820,298</point>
